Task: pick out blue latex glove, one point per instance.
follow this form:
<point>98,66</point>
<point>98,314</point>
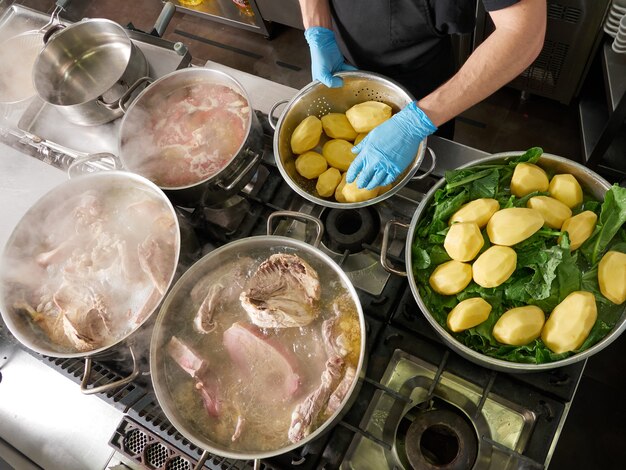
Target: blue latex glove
<point>326,59</point>
<point>389,148</point>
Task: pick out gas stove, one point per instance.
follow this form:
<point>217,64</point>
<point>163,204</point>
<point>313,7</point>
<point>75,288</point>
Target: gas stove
<point>420,405</point>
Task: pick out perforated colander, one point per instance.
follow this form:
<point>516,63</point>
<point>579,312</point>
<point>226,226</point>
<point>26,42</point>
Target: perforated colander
<point>318,100</point>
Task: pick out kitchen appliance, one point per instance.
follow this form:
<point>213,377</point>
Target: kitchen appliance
<point>535,404</point>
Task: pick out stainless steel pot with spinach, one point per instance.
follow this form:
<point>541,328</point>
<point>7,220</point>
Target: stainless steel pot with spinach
<point>552,280</point>
<point>259,346</point>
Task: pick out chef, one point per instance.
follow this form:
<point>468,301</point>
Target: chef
<point>409,41</point>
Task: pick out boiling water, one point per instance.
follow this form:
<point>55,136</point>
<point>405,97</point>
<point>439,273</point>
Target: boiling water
<point>267,416</point>
<point>93,224</point>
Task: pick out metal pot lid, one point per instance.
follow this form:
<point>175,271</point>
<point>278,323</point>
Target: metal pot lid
<point>593,184</point>
<point>231,267</point>
<point>88,264</point>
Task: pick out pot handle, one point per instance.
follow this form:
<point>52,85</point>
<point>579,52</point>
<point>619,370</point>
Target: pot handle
<point>242,173</point>
<point>297,215</point>
<point>118,383</point>
<point>270,115</point>
<point>51,30</point>
<point>433,158</point>
<point>383,250</point>
<point>98,161</point>
<point>121,103</point>
<point>48,30</point>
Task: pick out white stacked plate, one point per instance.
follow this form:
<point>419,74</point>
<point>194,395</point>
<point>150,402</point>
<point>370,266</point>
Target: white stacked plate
<point>616,12</point>
<point>619,43</point>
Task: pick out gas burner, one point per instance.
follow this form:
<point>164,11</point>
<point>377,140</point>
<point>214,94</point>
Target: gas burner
<point>437,438</point>
<point>348,230</point>
<point>426,417</point>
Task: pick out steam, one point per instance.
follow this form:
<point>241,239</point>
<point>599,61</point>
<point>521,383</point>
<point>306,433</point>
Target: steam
<point>18,52</point>
<point>181,137</point>
<point>74,266</point>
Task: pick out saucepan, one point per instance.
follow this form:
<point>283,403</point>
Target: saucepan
<point>86,67</point>
<point>258,347</point>
<point>194,133</point>
<point>611,320</point>
<point>87,266</point>
<point>318,100</point>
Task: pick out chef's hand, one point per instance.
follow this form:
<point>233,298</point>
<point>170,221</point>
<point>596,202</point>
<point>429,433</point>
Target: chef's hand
<point>389,148</point>
<point>326,59</point>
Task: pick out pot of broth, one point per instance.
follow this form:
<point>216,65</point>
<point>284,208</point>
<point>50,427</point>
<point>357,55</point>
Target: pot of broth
<point>194,134</point>
<point>87,266</point>
<point>259,346</point>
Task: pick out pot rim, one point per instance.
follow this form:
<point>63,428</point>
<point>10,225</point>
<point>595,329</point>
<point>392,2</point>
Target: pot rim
<point>191,70</point>
<point>4,312</point>
<point>488,361</point>
<point>164,397</point>
<point>314,85</point>
<point>129,47</point>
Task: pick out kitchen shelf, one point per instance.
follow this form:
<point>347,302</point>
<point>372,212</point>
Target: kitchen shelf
<point>226,12</point>
<point>602,113</point>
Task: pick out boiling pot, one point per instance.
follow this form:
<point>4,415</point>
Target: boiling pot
<point>592,183</point>
<point>85,68</point>
<point>316,99</point>
<point>149,104</point>
<point>18,255</point>
<point>176,317</point>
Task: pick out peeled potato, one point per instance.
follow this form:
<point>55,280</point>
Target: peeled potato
<point>306,135</point>
<point>337,126</point>
<point>338,154</point>
<point>352,193</point>
<point>328,182</point>
<point>359,138</point>
<point>366,116</point>
<point>339,191</point>
<point>311,164</point>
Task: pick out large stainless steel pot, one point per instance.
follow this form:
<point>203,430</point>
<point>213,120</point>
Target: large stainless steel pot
<point>29,231</point>
<point>177,315</point>
<point>217,187</point>
<point>85,68</point>
<point>316,99</point>
<point>590,181</point>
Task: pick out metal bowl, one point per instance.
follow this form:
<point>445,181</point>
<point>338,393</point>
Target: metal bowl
<point>593,184</point>
<point>316,99</point>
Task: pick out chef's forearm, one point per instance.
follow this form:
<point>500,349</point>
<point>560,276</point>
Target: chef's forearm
<point>516,42</point>
<point>315,13</point>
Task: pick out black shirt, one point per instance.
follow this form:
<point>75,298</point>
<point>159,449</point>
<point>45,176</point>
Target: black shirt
<point>400,37</point>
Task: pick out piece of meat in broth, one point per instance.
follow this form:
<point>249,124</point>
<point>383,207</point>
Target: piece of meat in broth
<point>217,289</point>
<point>198,368</point>
<point>84,315</point>
<point>203,321</point>
<point>282,293</point>
<point>305,415</point>
<point>267,364</point>
<point>156,258</point>
<point>338,395</point>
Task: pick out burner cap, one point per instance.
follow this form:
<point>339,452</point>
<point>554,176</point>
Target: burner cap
<point>440,439</point>
<point>348,229</point>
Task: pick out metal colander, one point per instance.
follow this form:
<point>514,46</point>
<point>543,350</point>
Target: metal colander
<point>318,100</point>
